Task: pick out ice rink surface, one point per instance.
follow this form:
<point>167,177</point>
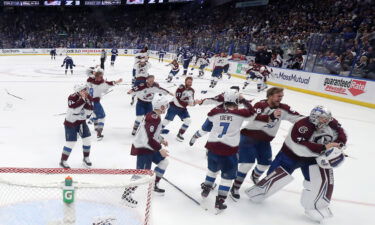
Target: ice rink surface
<point>32,135</point>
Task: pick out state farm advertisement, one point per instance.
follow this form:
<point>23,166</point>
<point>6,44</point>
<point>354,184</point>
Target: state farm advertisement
<point>348,87</point>
<point>344,86</point>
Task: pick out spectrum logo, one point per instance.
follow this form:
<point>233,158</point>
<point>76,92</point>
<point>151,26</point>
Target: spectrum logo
<point>344,85</point>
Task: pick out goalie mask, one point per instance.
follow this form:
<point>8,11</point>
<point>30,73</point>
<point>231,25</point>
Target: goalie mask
<point>320,116</point>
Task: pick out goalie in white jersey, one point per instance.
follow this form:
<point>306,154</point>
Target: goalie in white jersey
<point>224,123</point>
<point>314,144</point>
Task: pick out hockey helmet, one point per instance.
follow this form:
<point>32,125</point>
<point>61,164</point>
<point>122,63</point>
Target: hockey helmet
<point>320,116</point>
<point>232,96</point>
<point>80,87</point>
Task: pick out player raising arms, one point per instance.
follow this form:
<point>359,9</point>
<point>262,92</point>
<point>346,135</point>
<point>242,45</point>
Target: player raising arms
<point>256,137</point>
<point>98,86</point>
<point>79,109</point>
<point>184,97</point>
<point>224,123</point>
<point>315,145</point>
<point>174,70</point>
<point>145,94</point>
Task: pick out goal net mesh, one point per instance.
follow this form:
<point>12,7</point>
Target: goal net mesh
<point>35,196</point>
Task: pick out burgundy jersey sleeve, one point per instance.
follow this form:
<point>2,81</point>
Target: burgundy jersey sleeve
<point>151,124</point>
<point>259,109</point>
<point>341,135</point>
<point>301,134</point>
<point>75,101</point>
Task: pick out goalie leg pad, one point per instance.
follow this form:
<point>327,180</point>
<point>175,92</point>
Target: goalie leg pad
<point>317,192</point>
<point>269,185</point>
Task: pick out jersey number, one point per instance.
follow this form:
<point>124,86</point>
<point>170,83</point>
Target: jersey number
<point>225,129</point>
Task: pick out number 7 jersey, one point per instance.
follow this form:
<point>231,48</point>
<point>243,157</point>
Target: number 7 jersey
<point>225,126</point>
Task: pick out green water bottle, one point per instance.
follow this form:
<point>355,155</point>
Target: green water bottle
<point>68,190</point>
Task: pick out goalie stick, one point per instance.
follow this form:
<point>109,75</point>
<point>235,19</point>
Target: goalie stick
<point>180,190</point>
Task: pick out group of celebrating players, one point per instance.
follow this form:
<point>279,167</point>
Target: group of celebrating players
<point>239,134</point>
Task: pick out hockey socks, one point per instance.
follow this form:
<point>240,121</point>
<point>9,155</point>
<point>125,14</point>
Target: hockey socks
<point>135,127</point>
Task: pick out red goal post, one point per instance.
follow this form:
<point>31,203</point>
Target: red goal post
<point>97,195</point>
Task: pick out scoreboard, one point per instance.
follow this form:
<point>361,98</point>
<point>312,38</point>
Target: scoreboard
<point>48,3</point>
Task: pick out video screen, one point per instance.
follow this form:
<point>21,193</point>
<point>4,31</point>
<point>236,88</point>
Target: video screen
<point>21,3</point>
<point>134,2</point>
<point>61,3</point>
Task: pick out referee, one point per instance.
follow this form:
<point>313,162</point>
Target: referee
<point>103,57</point>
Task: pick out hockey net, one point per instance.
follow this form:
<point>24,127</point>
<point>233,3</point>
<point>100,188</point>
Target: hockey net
<point>36,196</point>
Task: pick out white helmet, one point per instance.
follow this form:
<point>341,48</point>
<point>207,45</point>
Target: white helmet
<point>331,158</point>
<point>80,87</point>
<point>160,103</point>
<point>319,112</point>
<point>232,96</point>
<point>98,70</point>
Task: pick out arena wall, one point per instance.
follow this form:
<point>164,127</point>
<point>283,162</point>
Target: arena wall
<point>346,89</point>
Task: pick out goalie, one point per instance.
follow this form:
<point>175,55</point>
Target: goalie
<point>315,145</point>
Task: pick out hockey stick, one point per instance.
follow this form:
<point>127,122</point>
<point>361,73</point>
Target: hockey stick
<point>60,114</point>
<point>13,95</point>
<point>184,193</point>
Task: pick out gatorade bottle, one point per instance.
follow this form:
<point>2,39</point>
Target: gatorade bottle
<point>68,190</point>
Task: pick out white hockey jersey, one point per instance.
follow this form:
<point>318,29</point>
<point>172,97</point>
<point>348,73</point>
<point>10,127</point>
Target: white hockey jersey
<point>202,61</point>
<point>142,71</point>
<point>304,140</point>
<point>146,93</point>
<point>98,88</point>
<point>78,110</point>
<point>224,136</point>
<point>219,62</point>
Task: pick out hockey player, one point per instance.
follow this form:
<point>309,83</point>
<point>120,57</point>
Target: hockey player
<point>53,53</point>
<point>256,137</point>
<point>68,62</point>
<point>161,55</point>
<point>98,86</point>
<point>184,97</point>
<point>103,57</point>
<point>142,55</point>
<point>258,72</point>
<point>226,65</point>
<point>224,123</point>
<point>218,99</point>
<point>186,58</point>
<point>145,94</point>
<point>202,63</point>
<point>315,145</point>
<point>219,62</point>
<point>114,54</point>
<point>174,70</point>
<point>141,74</point>
<point>79,109</point>
<point>148,143</point>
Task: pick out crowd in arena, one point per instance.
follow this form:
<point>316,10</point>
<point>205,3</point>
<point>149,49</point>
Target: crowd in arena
<point>335,37</point>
